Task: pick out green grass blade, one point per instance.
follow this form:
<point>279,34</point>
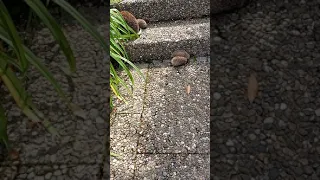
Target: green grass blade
<point>134,66</point>
<point>21,97</point>
<point>114,154</point>
<point>119,59</point>
<point>3,127</point>
<point>39,8</point>
<point>7,23</point>
<point>85,24</point>
<point>11,60</point>
<point>114,74</point>
<point>34,60</point>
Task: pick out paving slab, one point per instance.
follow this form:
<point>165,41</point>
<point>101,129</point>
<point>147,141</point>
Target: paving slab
<point>159,40</point>
<point>124,135</point>
<point>276,136</point>
<point>173,166</point>
<point>175,121</point>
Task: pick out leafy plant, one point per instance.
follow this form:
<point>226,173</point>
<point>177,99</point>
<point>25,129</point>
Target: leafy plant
<point>112,2</point>
<point>120,33</point>
<point>21,57</point>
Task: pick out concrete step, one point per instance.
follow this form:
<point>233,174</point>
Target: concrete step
<point>163,10</point>
<point>159,40</point>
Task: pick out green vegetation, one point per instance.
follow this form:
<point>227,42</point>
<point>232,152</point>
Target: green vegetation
<point>114,1</point>
<point>16,56</point>
<point>120,32</point>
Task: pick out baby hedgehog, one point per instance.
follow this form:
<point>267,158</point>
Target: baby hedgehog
<point>134,23</point>
<point>131,20</point>
<point>180,57</point>
<point>142,23</point>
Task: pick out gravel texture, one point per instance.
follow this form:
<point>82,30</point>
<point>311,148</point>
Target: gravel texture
<point>175,121</point>
<point>164,139</point>
<point>172,166</point>
<point>277,136</point>
<point>135,101</point>
<point>124,135</point>
<point>58,171</point>
<point>82,138</point>
<point>157,10</point>
<point>161,39</point>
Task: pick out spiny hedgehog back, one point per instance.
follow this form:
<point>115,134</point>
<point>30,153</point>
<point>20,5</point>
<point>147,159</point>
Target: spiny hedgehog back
<point>131,20</point>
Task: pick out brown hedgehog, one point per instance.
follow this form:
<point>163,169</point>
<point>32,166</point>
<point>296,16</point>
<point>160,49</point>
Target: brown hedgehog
<point>180,57</point>
<point>142,23</point>
<point>131,20</point>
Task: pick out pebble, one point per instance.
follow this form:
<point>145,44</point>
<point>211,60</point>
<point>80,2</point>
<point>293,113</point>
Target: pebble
<point>252,137</point>
<point>48,175</point>
<point>99,120</point>
<point>308,170</point>
<point>304,161</point>
<point>31,175</point>
<point>283,106</point>
<point>216,96</point>
<point>93,113</point>
<point>230,143</point>
<point>282,123</point>
<point>39,178</point>
<point>268,120</point>
<point>295,32</point>
<point>273,173</point>
<point>217,39</point>
<point>317,112</point>
<point>57,173</point>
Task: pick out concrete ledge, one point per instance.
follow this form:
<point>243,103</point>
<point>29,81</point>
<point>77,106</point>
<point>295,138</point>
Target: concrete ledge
<point>159,10</point>
<point>159,40</point>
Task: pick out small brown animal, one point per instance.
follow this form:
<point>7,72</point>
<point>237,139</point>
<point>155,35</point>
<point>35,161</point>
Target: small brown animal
<point>131,20</point>
<point>178,61</point>
<point>182,53</point>
<point>180,57</point>
<point>142,23</point>
<point>134,23</point>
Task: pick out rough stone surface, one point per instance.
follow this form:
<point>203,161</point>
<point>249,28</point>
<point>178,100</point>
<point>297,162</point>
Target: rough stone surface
<point>82,140</point>
<point>157,10</point>
<point>135,101</point>
<point>174,120</point>
<point>124,135</point>
<point>173,166</point>
<point>161,39</point>
<point>164,139</point>
<point>276,136</point>
<point>57,172</point>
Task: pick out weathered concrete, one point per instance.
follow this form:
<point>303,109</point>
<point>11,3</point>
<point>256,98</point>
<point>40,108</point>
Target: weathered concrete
<point>173,166</point>
<point>169,136</point>
<point>159,40</point>
<point>175,121</point>
<point>159,10</point>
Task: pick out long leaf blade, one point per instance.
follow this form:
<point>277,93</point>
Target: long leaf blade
<point>40,9</point>
<point>7,22</point>
<point>73,12</point>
